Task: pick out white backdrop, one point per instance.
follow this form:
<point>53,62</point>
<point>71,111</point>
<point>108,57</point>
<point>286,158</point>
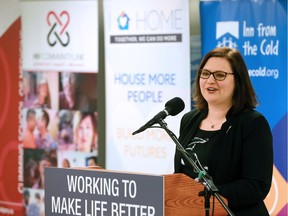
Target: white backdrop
<point>63,37</point>
<point>147,63</point>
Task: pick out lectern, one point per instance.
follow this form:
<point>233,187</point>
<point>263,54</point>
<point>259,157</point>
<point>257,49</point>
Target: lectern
<point>94,192</point>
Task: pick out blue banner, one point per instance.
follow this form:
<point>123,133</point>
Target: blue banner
<point>258,29</point>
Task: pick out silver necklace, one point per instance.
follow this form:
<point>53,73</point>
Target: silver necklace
<point>212,125</point>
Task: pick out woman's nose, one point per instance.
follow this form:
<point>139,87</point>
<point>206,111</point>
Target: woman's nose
<point>211,78</point>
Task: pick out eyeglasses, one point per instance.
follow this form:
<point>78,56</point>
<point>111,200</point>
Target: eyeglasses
<point>218,75</point>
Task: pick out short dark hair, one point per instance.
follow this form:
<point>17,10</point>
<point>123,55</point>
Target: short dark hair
<point>93,119</point>
<point>30,112</point>
<point>94,158</point>
<point>244,96</point>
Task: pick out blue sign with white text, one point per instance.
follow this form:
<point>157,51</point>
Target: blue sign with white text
<point>258,29</point>
<point>259,32</point>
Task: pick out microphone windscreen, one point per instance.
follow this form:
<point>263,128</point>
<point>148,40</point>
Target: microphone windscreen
<point>175,106</point>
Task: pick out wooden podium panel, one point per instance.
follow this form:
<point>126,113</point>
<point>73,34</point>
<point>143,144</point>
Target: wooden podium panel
<point>181,197</point>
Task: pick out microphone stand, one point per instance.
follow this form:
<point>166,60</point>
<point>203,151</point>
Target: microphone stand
<point>207,196</point>
<point>205,179</point>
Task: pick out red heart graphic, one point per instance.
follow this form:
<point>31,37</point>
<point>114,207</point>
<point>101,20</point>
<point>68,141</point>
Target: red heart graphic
<point>63,14</point>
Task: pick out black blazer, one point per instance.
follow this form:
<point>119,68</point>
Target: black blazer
<point>241,164</point>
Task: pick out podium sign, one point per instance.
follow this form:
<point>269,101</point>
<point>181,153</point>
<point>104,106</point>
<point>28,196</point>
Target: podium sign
<point>102,193</point>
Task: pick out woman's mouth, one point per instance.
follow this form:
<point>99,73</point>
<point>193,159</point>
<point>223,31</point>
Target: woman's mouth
<point>211,89</point>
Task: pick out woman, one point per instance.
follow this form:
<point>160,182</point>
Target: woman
<point>28,134</point>
<point>85,131</point>
<point>231,140</point>
<point>29,88</point>
<point>70,97</point>
<point>43,95</point>
<point>45,161</point>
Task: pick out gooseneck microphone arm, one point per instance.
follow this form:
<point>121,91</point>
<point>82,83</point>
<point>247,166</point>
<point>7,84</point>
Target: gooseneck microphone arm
<point>204,178</point>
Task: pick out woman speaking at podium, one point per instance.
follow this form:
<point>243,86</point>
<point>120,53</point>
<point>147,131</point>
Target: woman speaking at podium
<point>226,136</point>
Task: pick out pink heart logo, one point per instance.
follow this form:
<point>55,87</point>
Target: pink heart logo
<point>63,20</point>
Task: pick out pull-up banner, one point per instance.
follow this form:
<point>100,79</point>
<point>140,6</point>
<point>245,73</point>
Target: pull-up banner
<point>258,29</point>
<point>147,63</point>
